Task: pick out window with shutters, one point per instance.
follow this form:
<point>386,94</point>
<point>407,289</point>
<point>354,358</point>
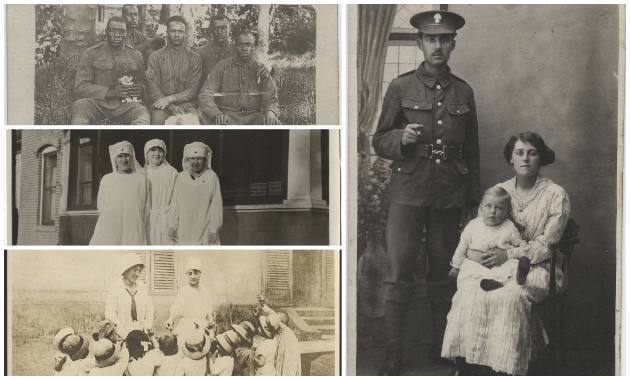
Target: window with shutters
<point>160,271</point>
<point>330,271</point>
<point>278,276</point>
<point>48,187</point>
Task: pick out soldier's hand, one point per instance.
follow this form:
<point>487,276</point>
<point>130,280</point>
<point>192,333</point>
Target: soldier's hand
<point>176,110</point>
<point>120,91</point>
<point>223,119</point>
<point>410,134</point>
<point>270,118</point>
<point>162,103</point>
<point>262,72</point>
<point>157,39</point>
<point>134,90</point>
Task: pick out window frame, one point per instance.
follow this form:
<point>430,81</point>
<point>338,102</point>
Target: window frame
<point>73,184</point>
<point>45,153</point>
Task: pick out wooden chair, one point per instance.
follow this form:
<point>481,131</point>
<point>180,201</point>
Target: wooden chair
<point>556,303</point>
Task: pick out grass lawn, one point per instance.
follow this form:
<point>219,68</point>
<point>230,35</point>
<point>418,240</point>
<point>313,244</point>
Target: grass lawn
<point>295,79</point>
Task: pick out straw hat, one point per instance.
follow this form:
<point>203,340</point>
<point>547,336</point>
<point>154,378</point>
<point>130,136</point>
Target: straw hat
<point>61,336</point>
<point>104,329</point>
<point>106,353</point>
<point>246,332</point>
<point>196,345</point>
<point>225,344</point>
<point>77,346</point>
<point>129,260</point>
<point>270,324</point>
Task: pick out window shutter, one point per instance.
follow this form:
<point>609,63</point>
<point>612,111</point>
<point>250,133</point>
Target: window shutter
<point>144,274</point>
<point>278,279</point>
<point>330,271</point>
<point>163,272</point>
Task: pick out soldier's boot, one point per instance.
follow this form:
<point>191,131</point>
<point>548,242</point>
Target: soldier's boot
<point>395,315</point>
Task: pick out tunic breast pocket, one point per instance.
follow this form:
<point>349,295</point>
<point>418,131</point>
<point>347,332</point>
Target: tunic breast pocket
<point>459,115</point>
<point>418,112</point>
<point>167,83</point>
<point>104,72</point>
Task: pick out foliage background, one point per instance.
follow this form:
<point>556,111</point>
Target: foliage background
<point>291,46</point>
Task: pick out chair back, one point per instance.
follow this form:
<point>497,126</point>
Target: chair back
<point>570,231</point>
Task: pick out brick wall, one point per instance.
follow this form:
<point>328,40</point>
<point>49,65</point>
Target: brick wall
<point>29,231</point>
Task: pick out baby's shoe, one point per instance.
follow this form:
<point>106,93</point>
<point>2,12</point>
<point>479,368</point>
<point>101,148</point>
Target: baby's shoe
<point>489,284</point>
<point>523,269</point>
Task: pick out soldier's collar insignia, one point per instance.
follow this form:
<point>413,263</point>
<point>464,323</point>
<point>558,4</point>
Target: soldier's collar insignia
<point>437,18</point>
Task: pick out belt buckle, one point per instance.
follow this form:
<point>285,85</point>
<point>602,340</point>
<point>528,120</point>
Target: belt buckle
<point>442,152</point>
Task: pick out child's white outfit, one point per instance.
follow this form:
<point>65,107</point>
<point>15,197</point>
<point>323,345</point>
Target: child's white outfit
<point>146,365</point>
<point>267,348</point>
<point>169,364</point>
<point>191,367</point>
<point>478,236</point>
<point>222,366</point>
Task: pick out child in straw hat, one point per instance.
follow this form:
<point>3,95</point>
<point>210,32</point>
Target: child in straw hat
<point>111,358</point>
<point>244,354</point>
<point>288,360</point>
<point>72,350</point>
<point>195,349</point>
<point>221,363</point>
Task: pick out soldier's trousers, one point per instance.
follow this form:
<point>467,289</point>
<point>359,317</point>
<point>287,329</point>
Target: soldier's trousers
<point>237,118</point>
<point>88,111</point>
<point>404,236</point>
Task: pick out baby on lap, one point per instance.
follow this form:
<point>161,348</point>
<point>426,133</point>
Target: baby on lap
<point>491,229</point>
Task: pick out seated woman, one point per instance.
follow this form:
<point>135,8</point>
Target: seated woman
<point>161,176</point>
<point>123,201</point>
<point>496,328</point>
<point>196,213</point>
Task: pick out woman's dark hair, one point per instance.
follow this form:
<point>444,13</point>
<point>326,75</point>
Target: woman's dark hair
<point>134,344</point>
<point>547,155</point>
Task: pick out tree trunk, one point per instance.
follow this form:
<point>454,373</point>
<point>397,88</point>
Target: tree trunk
<point>78,31</point>
<point>265,15</point>
<point>142,22</point>
<point>165,13</point>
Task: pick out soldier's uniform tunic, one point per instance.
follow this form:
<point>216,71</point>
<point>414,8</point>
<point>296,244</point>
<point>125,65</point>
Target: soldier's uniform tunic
<point>99,68</point>
<point>140,42</point>
<point>427,191</point>
<point>235,89</point>
<point>211,54</point>
<point>173,71</point>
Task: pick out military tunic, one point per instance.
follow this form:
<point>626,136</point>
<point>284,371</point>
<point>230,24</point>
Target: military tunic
<point>235,89</point>
<point>99,68</point>
<point>211,54</point>
<point>140,42</point>
<point>427,192</point>
<point>173,71</point>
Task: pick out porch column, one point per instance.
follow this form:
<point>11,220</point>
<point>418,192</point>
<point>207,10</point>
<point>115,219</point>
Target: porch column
<point>304,187</point>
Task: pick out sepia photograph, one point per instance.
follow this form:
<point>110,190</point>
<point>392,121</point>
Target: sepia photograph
<point>173,313</point>
<point>174,187</point>
<point>485,162</point>
<point>175,64</point>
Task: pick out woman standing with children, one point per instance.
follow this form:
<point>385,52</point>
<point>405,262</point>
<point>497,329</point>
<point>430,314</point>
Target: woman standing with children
<point>493,325</point>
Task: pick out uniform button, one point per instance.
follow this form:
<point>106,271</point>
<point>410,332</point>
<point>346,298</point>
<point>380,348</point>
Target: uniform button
<point>439,87</point>
<point>440,122</point>
<point>438,161</point>
<point>398,169</point>
<point>439,142</point>
<point>416,107</point>
<point>439,104</point>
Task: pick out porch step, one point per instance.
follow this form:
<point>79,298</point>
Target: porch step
<point>325,329</point>
<point>315,312</point>
<point>319,320</point>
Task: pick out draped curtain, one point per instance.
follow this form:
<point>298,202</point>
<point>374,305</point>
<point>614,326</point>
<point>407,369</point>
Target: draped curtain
<point>375,23</point>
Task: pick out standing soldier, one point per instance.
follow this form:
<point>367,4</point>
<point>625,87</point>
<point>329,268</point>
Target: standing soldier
<point>97,86</point>
<point>220,48</point>
<point>134,37</point>
<point>428,127</point>
<point>173,74</point>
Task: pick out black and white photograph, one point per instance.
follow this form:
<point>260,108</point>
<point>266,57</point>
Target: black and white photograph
<point>173,313</point>
<point>176,64</point>
<point>109,187</point>
<point>485,149</point>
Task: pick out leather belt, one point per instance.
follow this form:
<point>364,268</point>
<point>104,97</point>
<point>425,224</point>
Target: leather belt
<point>448,152</point>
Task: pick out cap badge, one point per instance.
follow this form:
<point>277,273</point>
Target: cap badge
<point>195,152</point>
<point>437,18</point>
<point>122,149</point>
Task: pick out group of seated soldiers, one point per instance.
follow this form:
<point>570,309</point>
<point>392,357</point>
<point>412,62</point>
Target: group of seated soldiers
<point>220,83</point>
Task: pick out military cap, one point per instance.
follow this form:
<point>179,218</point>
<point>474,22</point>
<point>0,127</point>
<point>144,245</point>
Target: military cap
<point>437,22</point>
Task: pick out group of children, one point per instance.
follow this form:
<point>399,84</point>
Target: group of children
<point>267,347</point>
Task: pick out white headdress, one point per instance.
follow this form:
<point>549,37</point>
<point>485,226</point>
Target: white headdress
<point>147,147</point>
<point>196,149</point>
<point>119,148</point>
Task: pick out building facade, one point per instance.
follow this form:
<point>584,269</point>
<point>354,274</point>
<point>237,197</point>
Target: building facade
<point>274,183</point>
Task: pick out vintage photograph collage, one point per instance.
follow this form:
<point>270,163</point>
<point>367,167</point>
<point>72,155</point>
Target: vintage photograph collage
<point>314,189</point>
